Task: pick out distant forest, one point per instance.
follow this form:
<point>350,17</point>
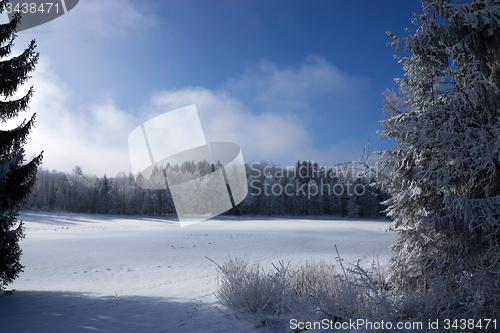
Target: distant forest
<point>304,189</point>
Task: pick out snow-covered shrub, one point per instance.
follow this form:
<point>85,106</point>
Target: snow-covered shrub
<point>317,290</point>
<point>249,290</point>
<point>312,291</point>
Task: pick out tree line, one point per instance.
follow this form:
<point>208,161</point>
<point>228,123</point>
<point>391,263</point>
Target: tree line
<point>304,189</point>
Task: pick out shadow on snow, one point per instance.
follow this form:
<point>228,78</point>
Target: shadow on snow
<point>57,311</point>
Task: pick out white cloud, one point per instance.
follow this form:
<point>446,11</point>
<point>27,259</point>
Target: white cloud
<point>267,136</point>
<point>225,118</point>
<point>281,132</point>
<point>295,88</point>
<point>93,136</point>
<point>102,19</point>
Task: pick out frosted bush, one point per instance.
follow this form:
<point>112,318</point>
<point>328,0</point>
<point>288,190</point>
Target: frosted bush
<point>312,291</point>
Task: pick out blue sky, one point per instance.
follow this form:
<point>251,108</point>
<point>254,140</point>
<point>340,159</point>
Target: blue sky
<point>285,80</point>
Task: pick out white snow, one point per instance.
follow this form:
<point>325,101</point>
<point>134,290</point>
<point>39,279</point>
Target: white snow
<point>110,273</point>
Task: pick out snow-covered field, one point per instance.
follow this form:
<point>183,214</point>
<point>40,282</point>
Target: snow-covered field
<point>106,273</point>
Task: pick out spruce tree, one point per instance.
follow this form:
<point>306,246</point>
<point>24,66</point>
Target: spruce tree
<point>17,176</point>
<point>445,166</point>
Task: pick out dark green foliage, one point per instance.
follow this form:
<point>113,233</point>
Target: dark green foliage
<point>16,176</point>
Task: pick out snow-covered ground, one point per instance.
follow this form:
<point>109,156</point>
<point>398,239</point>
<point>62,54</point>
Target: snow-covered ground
<point>106,273</point>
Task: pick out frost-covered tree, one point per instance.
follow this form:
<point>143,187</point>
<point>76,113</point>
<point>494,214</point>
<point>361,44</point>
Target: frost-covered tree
<point>103,200</point>
<point>352,207</point>
<point>17,176</point>
<point>445,166</point>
